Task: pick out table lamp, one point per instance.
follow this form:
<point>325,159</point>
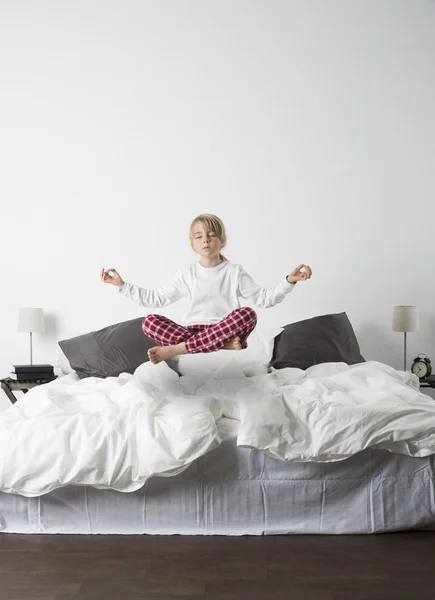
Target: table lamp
<point>405,318</point>
<point>31,320</point>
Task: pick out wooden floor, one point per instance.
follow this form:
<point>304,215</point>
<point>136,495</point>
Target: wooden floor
<point>399,566</point>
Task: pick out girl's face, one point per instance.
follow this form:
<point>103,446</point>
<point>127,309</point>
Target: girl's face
<point>206,243</point>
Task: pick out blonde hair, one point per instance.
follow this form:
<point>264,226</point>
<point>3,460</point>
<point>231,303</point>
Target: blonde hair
<point>210,223</point>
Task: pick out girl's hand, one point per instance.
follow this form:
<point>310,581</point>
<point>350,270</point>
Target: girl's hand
<point>301,273</point>
<point>112,276</point>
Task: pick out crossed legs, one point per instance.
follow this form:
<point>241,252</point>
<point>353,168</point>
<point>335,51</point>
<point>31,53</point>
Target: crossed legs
<point>230,333</point>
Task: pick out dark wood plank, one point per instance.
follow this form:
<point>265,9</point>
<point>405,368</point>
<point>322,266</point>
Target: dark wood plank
<point>46,591</point>
<point>60,567</point>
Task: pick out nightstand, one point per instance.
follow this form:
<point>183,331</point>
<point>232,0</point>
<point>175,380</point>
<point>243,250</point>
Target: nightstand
<point>9,386</point>
<point>429,382</point>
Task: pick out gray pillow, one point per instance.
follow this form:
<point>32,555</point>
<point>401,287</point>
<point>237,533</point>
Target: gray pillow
<point>115,349</point>
<point>328,338</point>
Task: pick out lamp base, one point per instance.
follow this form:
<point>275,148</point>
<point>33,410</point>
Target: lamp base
<point>404,350</point>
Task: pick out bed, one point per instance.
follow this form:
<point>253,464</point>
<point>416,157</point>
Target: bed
<point>237,450</point>
<point>241,491</point>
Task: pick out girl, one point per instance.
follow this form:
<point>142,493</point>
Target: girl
<point>214,319</point>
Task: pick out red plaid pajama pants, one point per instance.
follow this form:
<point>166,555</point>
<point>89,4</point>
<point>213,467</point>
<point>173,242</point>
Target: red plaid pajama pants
<point>201,338</point>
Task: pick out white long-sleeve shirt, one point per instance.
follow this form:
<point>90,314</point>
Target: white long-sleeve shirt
<point>212,292</point>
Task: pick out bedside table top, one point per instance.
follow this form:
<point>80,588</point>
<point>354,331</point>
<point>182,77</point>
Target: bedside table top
<point>428,382</point>
<point>19,385</point>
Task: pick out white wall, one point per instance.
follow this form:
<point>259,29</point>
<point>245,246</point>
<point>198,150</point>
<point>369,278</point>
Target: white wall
<point>309,127</point>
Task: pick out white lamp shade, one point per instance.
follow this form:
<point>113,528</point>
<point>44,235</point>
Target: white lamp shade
<point>31,320</point>
<point>405,318</point>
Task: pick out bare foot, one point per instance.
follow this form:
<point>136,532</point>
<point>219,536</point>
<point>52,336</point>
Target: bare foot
<point>159,353</point>
<point>234,344</point>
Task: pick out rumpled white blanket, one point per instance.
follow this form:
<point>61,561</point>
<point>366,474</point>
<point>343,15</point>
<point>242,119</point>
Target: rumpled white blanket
<point>117,432</point>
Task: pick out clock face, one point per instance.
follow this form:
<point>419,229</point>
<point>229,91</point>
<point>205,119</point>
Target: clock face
<point>419,368</point>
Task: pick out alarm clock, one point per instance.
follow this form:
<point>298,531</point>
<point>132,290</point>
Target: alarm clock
<point>421,366</point>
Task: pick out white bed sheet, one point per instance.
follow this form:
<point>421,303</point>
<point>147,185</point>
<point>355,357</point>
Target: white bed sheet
<point>238,491</point>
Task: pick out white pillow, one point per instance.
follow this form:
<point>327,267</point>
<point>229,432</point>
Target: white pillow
<point>254,360</point>
<point>62,362</point>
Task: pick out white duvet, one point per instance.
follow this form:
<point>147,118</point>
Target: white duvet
<point>117,432</point>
